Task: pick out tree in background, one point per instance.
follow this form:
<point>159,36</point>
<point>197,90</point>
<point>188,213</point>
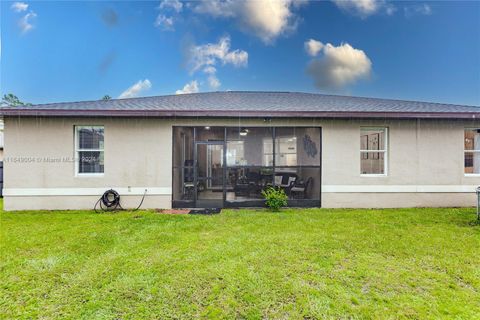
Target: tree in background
<point>12,100</point>
<point>106,97</point>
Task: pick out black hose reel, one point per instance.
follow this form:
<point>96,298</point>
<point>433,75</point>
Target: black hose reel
<point>110,201</point>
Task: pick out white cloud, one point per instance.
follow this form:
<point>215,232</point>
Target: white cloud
<point>206,57</point>
<point>420,9</point>
<point>210,70</point>
<point>267,19</point>
<point>136,89</point>
<point>339,66</point>
<point>213,82</point>
<point>163,22</point>
<point>216,8</point>
<point>365,8</point>
<point>175,5</point>
<point>19,6</point>
<point>313,47</point>
<point>25,23</point>
<point>210,54</point>
<point>191,87</point>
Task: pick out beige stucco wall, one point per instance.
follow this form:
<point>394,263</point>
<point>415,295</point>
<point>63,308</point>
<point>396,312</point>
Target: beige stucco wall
<point>425,162</point>
<point>137,155</point>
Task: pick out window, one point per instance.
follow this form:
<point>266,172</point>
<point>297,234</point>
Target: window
<point>235,153</point>
<point>249,146</point>
<point>268,151</point>
<point>296,146</point>
<point>472,151</point>
<point>373,151</point>
<point>89,149</point>
<point>286,151</point>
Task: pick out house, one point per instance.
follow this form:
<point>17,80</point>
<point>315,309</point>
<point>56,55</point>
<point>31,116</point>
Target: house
<point>221,149</point>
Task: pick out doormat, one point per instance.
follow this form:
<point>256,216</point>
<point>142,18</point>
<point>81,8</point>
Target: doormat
<point>206,211</point>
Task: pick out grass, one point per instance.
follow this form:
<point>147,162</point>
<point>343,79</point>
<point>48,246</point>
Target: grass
<point>313,263</point>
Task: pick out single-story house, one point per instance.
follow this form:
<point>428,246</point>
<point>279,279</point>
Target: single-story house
<point>221,149</point>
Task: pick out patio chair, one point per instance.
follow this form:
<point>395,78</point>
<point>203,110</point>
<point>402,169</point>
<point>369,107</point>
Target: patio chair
<point>299,189</point>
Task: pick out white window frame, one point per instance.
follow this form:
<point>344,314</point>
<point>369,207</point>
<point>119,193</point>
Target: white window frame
<point>233,156</point>
<point>278,141</point>
<point>266,155</point>
<point>470,151</point>
<point>78,150</point>
<point>384,151</point>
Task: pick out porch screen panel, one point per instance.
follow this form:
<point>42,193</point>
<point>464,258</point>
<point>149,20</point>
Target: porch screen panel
<point>249,146</point>
<point>247,183</point>
<point>183,168</point>
<point>255,158</point>
<point>297,162</point>
<point>249,160</point>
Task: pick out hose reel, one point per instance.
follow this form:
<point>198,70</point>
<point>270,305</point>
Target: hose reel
<point>110,201</point>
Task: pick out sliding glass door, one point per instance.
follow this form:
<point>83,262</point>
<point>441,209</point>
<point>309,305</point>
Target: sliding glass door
<point>209,174</point>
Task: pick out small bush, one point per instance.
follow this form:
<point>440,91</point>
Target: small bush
<point>275,198</point>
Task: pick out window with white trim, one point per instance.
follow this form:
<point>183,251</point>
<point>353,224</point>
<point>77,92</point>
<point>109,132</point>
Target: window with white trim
<point>89,150</point>
<point>471,151</point>
<point>373,151</point>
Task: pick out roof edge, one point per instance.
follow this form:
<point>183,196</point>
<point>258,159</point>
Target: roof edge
<point>230,113</point>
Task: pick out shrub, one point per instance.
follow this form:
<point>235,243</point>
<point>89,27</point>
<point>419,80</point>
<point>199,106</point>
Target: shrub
<point>275,198</point>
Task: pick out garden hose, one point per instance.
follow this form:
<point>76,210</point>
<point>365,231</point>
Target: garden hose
<point>110,201</point>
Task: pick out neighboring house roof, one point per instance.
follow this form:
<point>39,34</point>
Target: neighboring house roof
<point>250,104</point>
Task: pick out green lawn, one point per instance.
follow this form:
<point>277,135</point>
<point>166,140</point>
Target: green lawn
<point>315,263</point>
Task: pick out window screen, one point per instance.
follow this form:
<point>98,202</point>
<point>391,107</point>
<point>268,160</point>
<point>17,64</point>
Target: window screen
<point>373,150</point>
<point>90,149</point>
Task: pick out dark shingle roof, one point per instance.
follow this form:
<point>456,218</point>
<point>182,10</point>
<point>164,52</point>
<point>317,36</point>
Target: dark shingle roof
<point>249,104</point>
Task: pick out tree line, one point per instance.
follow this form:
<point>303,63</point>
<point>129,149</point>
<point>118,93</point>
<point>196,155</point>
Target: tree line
<point>12,100</point>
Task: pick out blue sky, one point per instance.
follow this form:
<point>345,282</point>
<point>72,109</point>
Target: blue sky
<point>66,51</point>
